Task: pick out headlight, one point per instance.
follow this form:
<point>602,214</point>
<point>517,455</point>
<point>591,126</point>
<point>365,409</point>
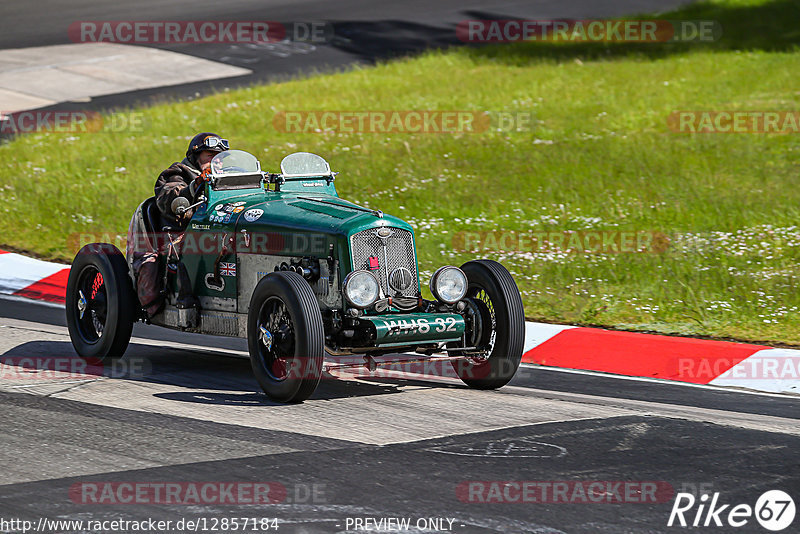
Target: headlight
<point>400,279</point>
<point>361,289</point>
<point>449,284</point>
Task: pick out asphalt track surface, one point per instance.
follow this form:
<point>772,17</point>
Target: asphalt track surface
<point>365,447</point>
<point>361,447</point>
<point>363,32</point>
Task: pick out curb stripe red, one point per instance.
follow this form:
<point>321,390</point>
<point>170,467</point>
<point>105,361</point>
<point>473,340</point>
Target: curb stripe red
<point>646,355</point>
<point>52,289</point>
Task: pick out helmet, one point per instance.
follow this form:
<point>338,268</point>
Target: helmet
<point>205,141</point>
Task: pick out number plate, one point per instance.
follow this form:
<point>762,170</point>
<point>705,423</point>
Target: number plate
<point>417,328</point>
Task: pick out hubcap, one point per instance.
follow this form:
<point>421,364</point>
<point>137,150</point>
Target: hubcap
<point>81,304</point>
<point>91,303</point>
<point>266,338</point>
<point>276,338</point>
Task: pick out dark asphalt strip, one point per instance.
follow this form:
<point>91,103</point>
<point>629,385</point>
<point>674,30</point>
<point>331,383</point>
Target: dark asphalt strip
<point>430,479</point>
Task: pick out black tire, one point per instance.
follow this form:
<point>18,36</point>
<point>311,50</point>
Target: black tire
<point>495,299</point>
<point>289,370</point>
<point>100,305</point>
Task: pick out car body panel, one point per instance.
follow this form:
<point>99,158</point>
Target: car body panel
<point>276,224</point>
<point>249,227</point>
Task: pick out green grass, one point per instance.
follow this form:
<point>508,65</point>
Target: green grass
<point>599,158</point>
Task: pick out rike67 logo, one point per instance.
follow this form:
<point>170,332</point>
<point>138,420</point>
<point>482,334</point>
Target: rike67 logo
<point>774,510</point>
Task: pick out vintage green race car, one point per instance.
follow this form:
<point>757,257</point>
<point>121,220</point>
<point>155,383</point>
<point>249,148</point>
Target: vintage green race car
<point>281,260</point>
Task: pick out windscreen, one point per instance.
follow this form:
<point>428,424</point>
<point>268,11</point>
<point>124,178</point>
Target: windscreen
<point>234,162</point>
<point>304,164</point>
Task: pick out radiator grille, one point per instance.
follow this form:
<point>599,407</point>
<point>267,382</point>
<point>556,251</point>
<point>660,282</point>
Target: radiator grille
<point>399,252</point>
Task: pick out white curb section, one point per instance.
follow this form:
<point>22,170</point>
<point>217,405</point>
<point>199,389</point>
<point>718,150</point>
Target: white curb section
<point>18,272</point>
<point>538,333</point>
<point>772,370</point>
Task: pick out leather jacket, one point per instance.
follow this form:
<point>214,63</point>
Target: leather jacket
<point>178,180</point>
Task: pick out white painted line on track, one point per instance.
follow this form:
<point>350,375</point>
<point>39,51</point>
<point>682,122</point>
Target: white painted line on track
<point>664,382</point>
<point>15,298</point>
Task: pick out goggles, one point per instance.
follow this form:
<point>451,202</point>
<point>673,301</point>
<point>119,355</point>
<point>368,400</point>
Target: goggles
<point>212,143</point>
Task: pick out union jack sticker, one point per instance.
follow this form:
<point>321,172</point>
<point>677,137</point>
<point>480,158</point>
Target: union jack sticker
<point>227,269</point>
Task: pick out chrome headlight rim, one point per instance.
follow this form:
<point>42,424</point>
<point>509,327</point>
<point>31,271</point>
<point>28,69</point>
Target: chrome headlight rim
<point>349,278</point>
<point>438,274</point>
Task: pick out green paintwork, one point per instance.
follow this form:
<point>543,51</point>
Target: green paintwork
<point>291,225</point>
<point>309,185</point>
<point>414,328</point>
<point>325,209</point>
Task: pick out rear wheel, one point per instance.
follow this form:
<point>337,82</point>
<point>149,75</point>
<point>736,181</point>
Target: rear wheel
<point>496,322</point>
<point>100,304</point>
<point>285,336</point>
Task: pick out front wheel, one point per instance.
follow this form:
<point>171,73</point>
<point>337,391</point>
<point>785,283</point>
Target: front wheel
<point>285,337</point>
<point>100,303</point>
<point>497,326</point>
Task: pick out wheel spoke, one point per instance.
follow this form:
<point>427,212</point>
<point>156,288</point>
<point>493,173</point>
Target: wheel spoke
<point>276,343</point>
<point>481,296</point>
<point>97,324</point>
<point>279,368</point>
<point>92,298</point>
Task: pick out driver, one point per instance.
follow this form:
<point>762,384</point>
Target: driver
<point>184,179</point>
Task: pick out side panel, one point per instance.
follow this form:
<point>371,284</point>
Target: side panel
<point>254,267</point>
<point>199,254</point>
<point>207,322</point>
